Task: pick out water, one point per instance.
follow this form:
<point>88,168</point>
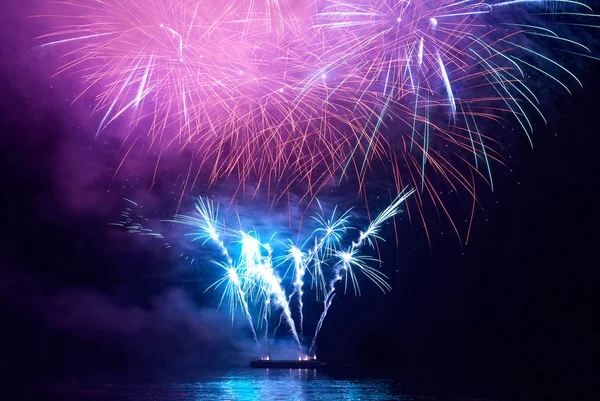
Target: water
<point>248,384</point>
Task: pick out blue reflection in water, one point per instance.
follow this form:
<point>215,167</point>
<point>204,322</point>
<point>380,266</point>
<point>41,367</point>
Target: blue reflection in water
<point>276,384</point>
<point>245,385</point>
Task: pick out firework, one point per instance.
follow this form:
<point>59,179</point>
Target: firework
<point>286,91</point>
<point>254,281</point>
<point>349,260</point>
<point>134,223</point>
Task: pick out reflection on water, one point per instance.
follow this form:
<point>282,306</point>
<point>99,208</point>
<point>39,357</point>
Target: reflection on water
<point>269,384</point>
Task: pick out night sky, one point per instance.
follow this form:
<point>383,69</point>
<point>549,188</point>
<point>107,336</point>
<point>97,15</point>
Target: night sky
<point>516,309</point>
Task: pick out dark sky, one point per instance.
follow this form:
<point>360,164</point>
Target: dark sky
<point>519,304</point>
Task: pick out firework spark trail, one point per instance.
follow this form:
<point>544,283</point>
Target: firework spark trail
<point>129,223</point>
<point>205,219</point>
<point>326,237</point>
<point>349,259</point>
<point>261,275</point>
<point>299,271</point>
<point>280,298</point>
<point>233,291</point>
<point>303,90</point>
<point>302,263</point>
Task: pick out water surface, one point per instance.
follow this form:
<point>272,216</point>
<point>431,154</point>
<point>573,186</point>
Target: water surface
<point>242,385</point>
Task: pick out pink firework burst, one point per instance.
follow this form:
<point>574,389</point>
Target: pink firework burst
<point>315,90</point>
